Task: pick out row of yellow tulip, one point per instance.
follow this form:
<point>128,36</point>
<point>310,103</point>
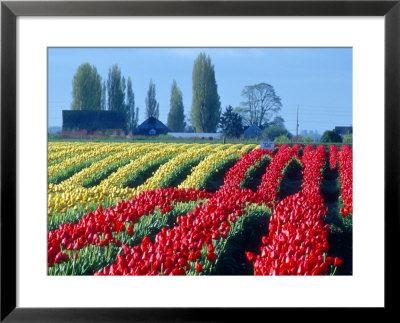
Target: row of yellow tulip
<point>206,166</point>
<point>62,196</point>
<point>76,179</point>
<point>60,151</point>
<point>96,151</point>
<point>166,170</point>
<point>69,193</point>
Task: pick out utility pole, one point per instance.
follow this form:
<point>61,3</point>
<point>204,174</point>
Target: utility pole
<point>297,122</point>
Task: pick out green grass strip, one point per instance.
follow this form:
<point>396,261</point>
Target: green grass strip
<point>68,172</point>
<point>143,173</point>
<point>244,235</point>
<point>254,173</point>
<point>61,159</point>
<point>215,177</point>
<point>96,178</point>
<point>180,173</point>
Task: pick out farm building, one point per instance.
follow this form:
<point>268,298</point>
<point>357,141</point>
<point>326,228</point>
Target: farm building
<point>152,127</point>
<point>252,131</point>
<point>92,120</point>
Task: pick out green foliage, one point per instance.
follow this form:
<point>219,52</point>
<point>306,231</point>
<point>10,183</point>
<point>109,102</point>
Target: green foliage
<point>215,177</point>
<point>116,91</point>
<point>152,106</point>
<point>308,140</point>
<point>273,132</point>
<point>69,171</point>
<point>74,214</point>
<point>92,258</point>
<point>244,235</point>
<point>130,98</point>
<point>150,225</point>
<point>180,172</point>
<point>144,172</point>
<point>86,88</point>
<point>176,116</point>
<point>103,105</point>
<point>253,174</point>
<point>261,102</point>
<point>96,178</point>
<point>231,123</point>
<point>277,122</point>
<point>206,105</point>
<point>330,136</point>
<point>348,139</point>
<point>283,139</point>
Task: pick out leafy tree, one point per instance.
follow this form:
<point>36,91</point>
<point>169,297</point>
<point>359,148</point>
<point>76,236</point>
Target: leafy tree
<point>206,105</point>
<point>283,139</point>
<point>277,122</point>
<point>330,136</point>
<point>115,91</point>
<point>130,98</point>
<point>176,116</point>
<point>86,88</point>
<point>308,140</point>
<point>261,103</point>
<point>231,123</point>
<point>273,132</point>
<point>348,139</point>
<point>152,107</point>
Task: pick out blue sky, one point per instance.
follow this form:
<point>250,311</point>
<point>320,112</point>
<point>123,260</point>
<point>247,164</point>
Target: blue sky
<point>319,80</point>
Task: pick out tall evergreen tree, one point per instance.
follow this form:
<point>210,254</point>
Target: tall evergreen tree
<point>176,116</point>
<point>86,88</point>
<point>206,105</point>
<point>231,123</point>
<point>152,107</point>
<point>130,98</point>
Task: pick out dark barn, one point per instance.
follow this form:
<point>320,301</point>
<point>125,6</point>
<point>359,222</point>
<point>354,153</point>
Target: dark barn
<point>152,127</point>
<point>92,120</point>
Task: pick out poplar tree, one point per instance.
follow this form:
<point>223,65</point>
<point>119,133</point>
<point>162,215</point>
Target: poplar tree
<point>152,107</point>
<point>176,116</point>
<point>130,98</point>
<point>206,105</point>
<point>103,96</point>
<point>86,88</point>
<point>115,90</point>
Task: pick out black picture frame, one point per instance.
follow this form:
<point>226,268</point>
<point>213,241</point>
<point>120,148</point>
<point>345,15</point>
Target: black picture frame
<point>10,10</point>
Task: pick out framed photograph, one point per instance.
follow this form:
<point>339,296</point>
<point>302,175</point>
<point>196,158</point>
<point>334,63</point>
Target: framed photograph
<point>229,189</point>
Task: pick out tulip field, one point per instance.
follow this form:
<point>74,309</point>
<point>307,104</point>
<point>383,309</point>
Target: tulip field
<point>199,209</point>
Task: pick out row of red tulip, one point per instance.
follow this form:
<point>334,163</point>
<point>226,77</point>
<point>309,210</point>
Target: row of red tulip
<point>333,156</point>
<point>237,173</point>
<point>178,251</point>
<point>297,241</point>
<point>274,173</point>
<point>103,223</point>
<point>345,157</point>
<point>190,245</point>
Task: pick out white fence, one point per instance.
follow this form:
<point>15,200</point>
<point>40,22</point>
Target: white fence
<point>195,135</point>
